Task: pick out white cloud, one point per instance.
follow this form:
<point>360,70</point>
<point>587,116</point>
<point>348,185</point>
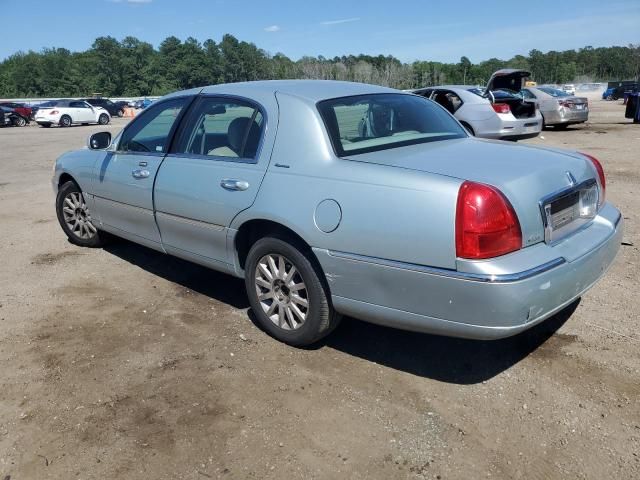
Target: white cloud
<point>342,20</point>
<point>272,28</point>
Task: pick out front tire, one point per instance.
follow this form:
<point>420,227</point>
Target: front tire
<point>45,125</point>
<point>74,217</point>
<point>65,121</point>
<point>103,119</point>
<point>287,293</point>
<point>19,122</point>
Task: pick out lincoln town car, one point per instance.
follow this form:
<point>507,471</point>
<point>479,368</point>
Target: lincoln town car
<point>336,198</point>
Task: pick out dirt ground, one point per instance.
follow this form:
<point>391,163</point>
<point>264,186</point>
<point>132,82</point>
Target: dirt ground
<point>124,363</point>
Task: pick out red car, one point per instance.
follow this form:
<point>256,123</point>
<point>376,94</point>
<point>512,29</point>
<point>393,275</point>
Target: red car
<point>24,112</point>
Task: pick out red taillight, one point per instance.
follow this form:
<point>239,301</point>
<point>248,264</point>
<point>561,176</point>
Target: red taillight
<point>564,103</point>
<point>486,224</point>
<point>603,183</point>
<point>501,107</point>
<point>53,112</point>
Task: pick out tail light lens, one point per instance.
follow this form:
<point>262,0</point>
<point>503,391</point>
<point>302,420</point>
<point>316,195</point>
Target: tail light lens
<point>486,224</point>
<point>501,107</point>
<point>564,103</point>
<point>53,112</point>
<point>603,182</point>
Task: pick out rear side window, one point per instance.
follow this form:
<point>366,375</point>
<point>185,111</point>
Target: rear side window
<point>367,123</point>
<point>222,127</point>
<point>151,131</point>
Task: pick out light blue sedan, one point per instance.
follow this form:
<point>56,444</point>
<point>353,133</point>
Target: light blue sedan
<point>334,198</point>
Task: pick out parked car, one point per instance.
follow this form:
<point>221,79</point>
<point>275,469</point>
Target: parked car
<point>408,221</point>
<point>142,103</point>
<point>569,88</point>
<point>558,108</point>
<point>115,109</point>
<point>496,111</point>
<point>617,90</point>
<point>20,109</point>
<point>67,112</point>
<point>11,118</point>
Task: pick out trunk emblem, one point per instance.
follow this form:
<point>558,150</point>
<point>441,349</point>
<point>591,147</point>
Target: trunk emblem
<point>571,178</point>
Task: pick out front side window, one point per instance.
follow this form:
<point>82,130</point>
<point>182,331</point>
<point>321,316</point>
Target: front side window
<point>367,123</point>
<point>222,127</point>
<point>150,132</point>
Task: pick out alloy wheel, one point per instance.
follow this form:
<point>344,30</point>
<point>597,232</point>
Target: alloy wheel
<point>281,291</point>
<point>77,216</point>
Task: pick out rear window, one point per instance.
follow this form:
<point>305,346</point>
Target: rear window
<point>368,123</point>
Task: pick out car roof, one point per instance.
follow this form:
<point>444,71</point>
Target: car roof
<point>311,90</point>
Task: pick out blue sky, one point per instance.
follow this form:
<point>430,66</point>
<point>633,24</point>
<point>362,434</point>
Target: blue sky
<point>407,29</point>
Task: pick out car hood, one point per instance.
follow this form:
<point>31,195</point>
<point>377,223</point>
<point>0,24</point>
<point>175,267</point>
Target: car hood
<point>525,174</point>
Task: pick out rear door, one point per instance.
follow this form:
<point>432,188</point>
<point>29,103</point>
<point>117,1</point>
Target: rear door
<point>213,173</point>
<point>124,180</point>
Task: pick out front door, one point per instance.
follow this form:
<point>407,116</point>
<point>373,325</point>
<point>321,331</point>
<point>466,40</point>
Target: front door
<point>213,173</point>
<point>124,179</point>
<point>81,112</point>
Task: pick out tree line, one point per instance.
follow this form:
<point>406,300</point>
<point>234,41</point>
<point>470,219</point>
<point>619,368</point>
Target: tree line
<point>132,67</point>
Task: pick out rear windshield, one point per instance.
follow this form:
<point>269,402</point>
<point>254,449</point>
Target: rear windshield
<point>368,123</point>
<point>554,92</point>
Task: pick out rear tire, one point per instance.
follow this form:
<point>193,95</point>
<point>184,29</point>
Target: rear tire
<point>45,125</point>
<point>287,293</point>
<point>103,119</point>
<point>561,126</point>
<point>120,113</point>
<point>65,121</point>
<point>75,219</point>
<point>19,122</point>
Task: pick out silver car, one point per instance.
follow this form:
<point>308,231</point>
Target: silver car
<point>558,108</point>
<point>334,198</point>
<point>497,111</point>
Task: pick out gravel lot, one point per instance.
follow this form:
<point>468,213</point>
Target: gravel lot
<point>124,363</point>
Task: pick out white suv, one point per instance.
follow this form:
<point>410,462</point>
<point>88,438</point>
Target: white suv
<point>67,112</point>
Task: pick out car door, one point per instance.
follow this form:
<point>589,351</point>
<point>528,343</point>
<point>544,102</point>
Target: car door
<point>124,179</point>
<point>213,172</point>
<point>81,112</point>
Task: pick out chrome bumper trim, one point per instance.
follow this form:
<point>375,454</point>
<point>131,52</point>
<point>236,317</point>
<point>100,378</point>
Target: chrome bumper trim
<point>444,272</point>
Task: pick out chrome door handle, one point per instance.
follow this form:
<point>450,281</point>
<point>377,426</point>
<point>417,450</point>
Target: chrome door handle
<point>140,173</point>
<point>231,184</point>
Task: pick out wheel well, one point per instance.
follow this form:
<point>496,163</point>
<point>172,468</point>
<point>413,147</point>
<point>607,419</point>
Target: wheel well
<point>468,127</point>
<point>64,178</point>
<point>253,230</point>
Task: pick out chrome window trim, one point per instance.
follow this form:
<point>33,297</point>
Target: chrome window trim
<point>444,272</point>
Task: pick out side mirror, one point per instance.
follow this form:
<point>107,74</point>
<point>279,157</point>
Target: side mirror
<point>99,141</point>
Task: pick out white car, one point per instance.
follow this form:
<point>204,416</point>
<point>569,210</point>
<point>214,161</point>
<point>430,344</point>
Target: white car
<point>67,112</point>
<point>497,111</point>
<point>569,88</point>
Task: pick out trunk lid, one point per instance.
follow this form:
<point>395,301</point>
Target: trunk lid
<point>524,174</point>
<point>507,78</point>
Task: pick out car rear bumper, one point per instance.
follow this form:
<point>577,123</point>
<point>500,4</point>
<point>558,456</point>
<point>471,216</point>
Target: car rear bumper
<point>507,127</point>
<point>499,299</point>
<point>557,117</point>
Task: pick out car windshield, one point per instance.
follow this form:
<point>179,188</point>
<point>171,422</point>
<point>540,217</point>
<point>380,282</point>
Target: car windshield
<point>367,123</point>
<point>554,92</point>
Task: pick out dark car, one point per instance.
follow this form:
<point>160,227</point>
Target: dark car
<point>115,109</point>
<point>24,113</point>
<point>10,117</point>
